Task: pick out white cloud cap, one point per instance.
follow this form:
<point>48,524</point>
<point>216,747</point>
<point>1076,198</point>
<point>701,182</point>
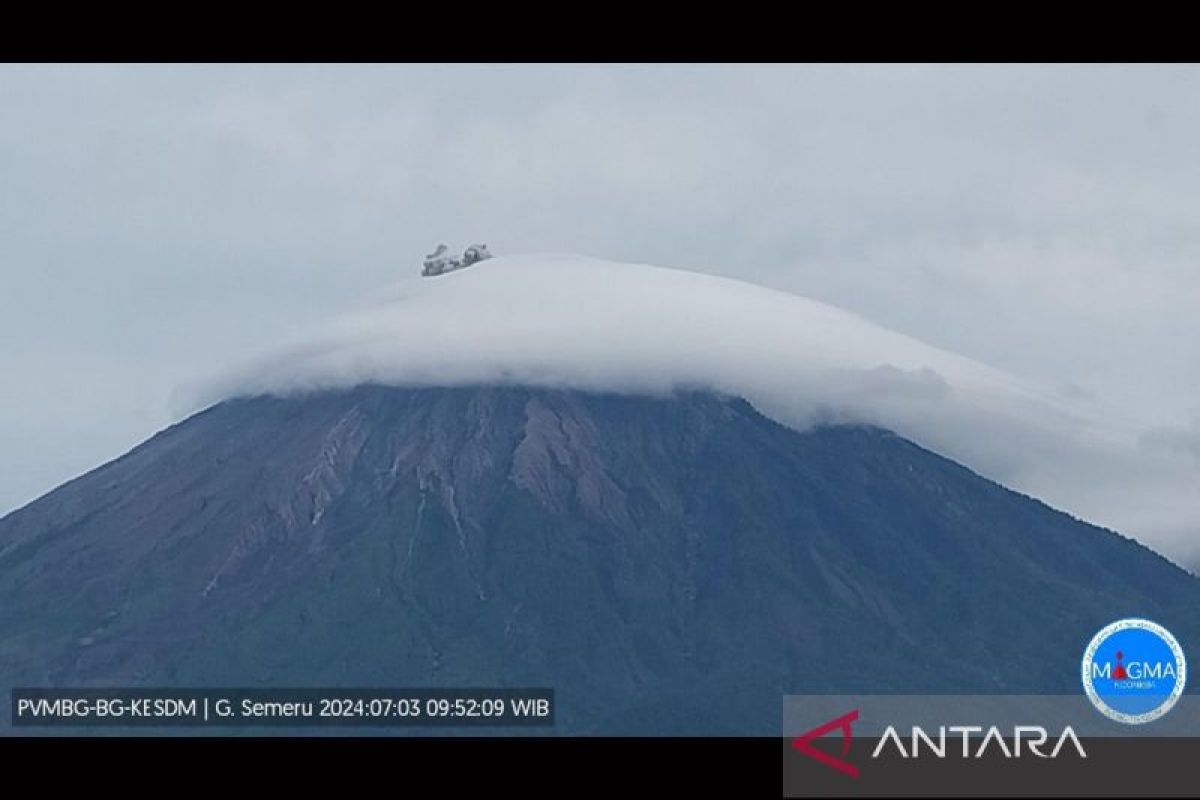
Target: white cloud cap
<point>570,321</point>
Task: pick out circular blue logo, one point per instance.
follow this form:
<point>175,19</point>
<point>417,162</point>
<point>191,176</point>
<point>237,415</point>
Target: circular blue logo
<point>1134,671</point>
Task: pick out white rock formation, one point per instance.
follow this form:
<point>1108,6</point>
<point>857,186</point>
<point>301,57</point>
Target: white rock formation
<point>439,262</point>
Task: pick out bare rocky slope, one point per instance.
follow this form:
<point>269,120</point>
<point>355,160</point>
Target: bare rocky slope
<point>669,565</point>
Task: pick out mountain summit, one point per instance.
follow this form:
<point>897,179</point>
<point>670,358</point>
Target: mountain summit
<point>576,323</point>
<point>669,564</point>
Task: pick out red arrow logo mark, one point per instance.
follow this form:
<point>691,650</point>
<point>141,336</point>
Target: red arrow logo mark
<point>803,743</point>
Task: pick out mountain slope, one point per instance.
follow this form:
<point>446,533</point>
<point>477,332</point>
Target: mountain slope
<point>669,564</point>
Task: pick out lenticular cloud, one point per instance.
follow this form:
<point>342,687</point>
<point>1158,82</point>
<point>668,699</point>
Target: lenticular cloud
<point>569,321</point>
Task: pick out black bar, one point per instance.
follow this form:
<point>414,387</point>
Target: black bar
<point>1113,767</point>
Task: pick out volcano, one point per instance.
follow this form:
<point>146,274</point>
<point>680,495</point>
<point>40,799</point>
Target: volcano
<point>669,563</point>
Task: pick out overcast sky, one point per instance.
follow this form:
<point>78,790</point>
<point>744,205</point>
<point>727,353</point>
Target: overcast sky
<point>160,223</point>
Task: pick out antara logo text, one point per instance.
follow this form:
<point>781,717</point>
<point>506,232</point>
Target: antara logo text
<point>971,741</point>
<point>1034,737</point>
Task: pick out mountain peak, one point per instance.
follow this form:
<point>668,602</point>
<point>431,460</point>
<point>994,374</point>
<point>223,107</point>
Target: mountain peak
<point>566,321</point>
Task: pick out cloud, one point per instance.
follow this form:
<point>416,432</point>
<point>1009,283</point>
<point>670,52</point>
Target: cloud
<point>1179,440</point>
<point>588,323</point>
<point>559,320</point>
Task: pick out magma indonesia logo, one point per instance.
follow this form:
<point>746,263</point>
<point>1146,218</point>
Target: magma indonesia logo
<point>1134,671</point>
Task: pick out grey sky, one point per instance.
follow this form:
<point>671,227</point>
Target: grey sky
<point>159,223</point>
